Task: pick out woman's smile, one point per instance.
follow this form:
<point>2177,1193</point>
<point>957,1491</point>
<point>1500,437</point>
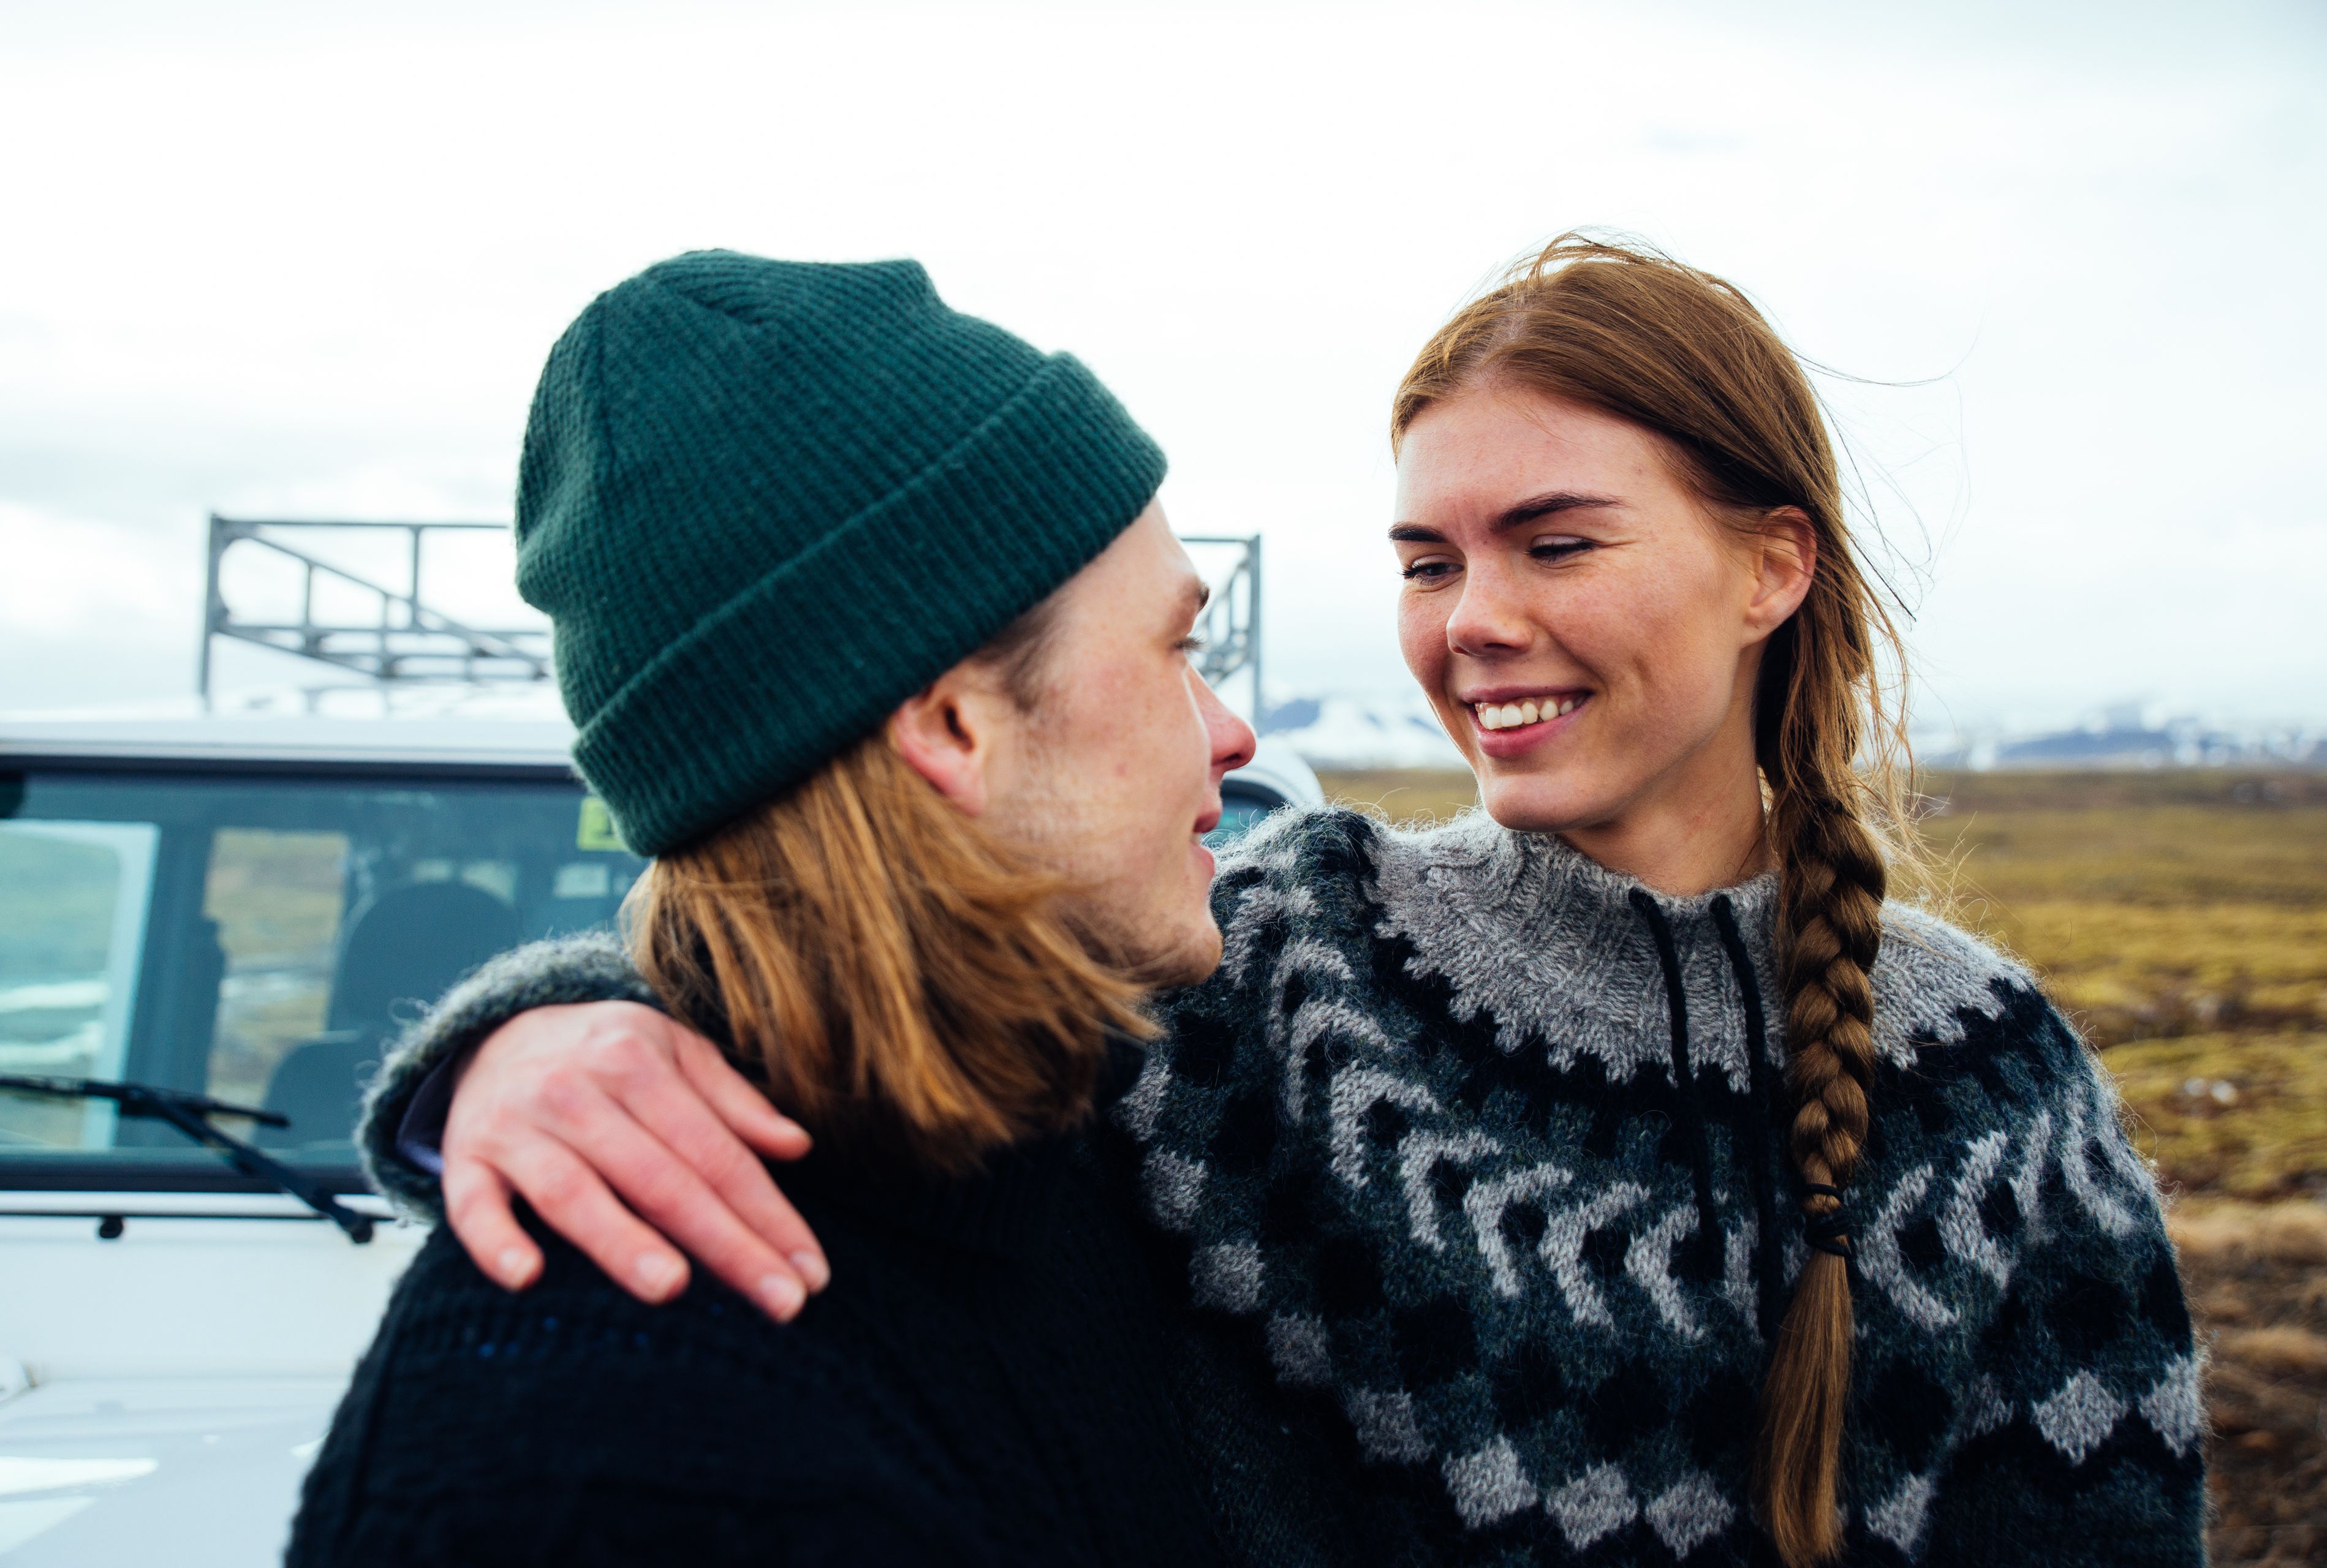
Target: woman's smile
<point>1508,721</point>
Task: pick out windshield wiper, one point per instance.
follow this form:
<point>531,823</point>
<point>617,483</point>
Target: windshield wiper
<point>191,1114</point>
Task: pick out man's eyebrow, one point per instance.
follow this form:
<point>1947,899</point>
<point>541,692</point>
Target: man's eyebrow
<point>1532,509</point>
<point>1199,590</point>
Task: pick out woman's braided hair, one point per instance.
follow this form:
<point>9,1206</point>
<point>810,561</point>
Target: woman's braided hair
<point>1624,330</point>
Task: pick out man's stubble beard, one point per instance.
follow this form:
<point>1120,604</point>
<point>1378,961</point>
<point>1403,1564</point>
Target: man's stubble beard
<point>1049,822</point>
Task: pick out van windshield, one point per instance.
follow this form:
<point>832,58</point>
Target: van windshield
<point>259,939</point>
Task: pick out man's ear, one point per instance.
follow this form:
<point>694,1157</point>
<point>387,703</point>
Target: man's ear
<point>1784,562</point>
<point>947,732</point>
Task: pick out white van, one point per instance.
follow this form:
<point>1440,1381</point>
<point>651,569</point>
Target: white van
<point>210,928</point>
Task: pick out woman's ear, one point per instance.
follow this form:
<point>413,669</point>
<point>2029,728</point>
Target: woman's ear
<point>1784,562</point>
<point>947,732</point>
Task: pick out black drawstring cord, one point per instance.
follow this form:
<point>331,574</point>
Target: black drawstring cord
<point>1684,1080</point>
<point>1765,1107</point>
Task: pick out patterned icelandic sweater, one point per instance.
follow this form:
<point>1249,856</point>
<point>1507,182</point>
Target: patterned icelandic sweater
<point>1485,1144</point>
<point>1477,1148</point>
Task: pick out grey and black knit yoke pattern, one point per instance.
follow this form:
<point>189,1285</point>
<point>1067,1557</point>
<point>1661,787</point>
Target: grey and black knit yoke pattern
<point>1486,1146</point>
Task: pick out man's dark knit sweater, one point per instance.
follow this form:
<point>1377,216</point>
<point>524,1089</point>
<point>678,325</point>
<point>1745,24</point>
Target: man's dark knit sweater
<point>986,1380</point>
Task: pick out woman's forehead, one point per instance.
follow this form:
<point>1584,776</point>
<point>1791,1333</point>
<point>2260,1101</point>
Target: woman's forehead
<point>1471,459</point>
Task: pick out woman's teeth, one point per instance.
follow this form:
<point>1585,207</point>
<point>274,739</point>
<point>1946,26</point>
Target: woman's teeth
<point>1511,715</point>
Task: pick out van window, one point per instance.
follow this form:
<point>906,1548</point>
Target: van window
<point>260,939</point>
<point>73,899</point>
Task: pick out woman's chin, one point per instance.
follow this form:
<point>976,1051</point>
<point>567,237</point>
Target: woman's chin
<point>1535,803</point>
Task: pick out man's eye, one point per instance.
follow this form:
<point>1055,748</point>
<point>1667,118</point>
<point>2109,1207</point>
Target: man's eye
<point>1194,644</point>
<point>1429,569</point>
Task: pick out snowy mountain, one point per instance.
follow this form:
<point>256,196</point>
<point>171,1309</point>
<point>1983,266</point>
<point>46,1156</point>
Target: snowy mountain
<point>2127,735</point>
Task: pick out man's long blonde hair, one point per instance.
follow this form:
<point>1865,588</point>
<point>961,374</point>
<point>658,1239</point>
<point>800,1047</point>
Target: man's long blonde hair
<point>895,976</point>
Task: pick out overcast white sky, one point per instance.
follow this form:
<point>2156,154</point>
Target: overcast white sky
<point>307,259</point>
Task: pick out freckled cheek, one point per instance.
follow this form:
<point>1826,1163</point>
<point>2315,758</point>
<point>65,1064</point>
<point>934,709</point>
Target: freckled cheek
<point>1668,652</point>
<point>1588,637</point>
<point>1161,753</point>
<point>1422,636</point>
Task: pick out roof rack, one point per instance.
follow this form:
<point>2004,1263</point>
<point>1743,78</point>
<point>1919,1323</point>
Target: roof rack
<point>407,641</point>
<point>1230,627</point>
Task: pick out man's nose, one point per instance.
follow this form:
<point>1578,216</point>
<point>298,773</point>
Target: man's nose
<point>1232,740</point>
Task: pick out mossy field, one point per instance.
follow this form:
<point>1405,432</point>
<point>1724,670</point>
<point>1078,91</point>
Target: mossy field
<point>2180,917</point>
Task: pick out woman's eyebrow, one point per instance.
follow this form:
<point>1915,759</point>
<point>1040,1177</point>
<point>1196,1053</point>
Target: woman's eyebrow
<point>1532,509</point>
<point>1548,504</point>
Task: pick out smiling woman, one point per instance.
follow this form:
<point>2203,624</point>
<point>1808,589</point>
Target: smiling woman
<point>1618,502</point>
<point>1591,648</point>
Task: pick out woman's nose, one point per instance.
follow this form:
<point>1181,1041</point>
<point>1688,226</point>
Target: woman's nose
<point>1489,618</point>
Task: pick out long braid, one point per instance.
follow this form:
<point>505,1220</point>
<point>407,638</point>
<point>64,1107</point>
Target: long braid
<point>1831,883</point>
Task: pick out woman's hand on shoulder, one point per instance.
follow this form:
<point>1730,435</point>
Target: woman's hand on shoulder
<point>633,1138</point>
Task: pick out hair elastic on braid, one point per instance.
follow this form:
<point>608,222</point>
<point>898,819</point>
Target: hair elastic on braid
<point>1828,1233</point>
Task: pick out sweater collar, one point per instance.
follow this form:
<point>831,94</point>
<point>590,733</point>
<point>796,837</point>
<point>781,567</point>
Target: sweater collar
<point>1539,880</point>
<point>1553,947</point>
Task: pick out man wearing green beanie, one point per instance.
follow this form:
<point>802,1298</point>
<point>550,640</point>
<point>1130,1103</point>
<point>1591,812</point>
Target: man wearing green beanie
<point>876,640</point>
<point>764,502</point>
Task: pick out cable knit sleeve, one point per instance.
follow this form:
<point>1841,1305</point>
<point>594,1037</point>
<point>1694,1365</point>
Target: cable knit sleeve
<point>2079,1434</point>
<point>590,967</point>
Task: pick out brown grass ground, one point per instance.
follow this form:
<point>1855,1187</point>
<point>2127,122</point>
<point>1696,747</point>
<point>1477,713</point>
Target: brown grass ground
<point>2180,917</point>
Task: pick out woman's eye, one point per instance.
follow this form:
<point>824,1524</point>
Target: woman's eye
<point>1559,547</point>
<point>1428,569</point>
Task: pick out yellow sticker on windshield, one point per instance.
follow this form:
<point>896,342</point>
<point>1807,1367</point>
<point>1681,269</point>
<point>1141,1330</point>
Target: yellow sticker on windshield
<point>597,827</point>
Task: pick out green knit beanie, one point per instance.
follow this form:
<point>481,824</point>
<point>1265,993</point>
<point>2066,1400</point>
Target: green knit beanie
<point>764,502</point>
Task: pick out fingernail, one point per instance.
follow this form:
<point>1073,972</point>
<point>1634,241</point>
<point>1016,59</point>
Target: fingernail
<point>514,1265</point>
<point>658,1273</point>
<point>813,1269</point>
<point>783,1295</point>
